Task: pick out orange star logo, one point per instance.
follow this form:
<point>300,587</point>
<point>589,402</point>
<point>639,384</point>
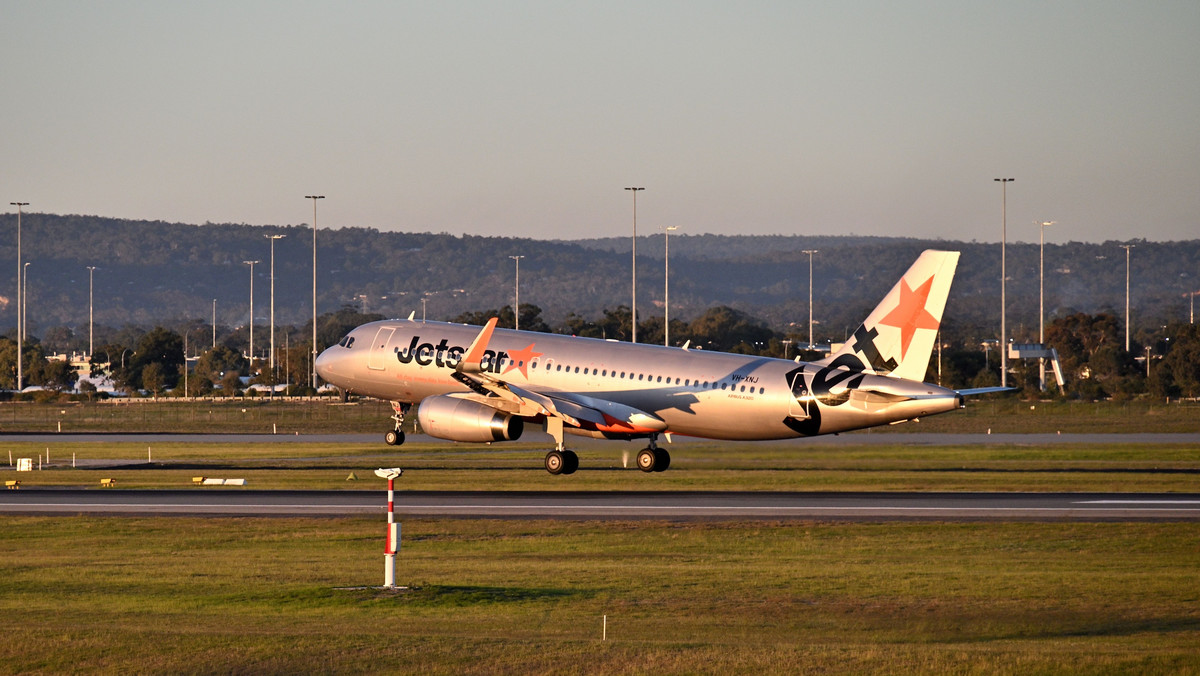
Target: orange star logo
<point>521,358</point>
<point>910,313</point>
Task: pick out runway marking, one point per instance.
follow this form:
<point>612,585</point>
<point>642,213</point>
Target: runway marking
<point>1139,502</point>
<point>1149,504</point>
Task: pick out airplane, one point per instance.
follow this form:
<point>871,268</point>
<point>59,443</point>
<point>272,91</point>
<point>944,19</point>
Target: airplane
<point>486,384</point>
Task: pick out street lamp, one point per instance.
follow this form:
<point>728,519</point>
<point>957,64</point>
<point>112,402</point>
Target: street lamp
<point>214,345</point>
<point>24,301</point>
<point>516,296</point>
<point>91,275</point>
<point>314,198</point>
<point>1041,301</point>
<point>20,289</point>
<point>667,283</point>
<point>1003,282</point>
<point>1127,247</point>
<point>810,253</point>
<point>272,362</point>
<point>251,264</point>
<point>633,308</point>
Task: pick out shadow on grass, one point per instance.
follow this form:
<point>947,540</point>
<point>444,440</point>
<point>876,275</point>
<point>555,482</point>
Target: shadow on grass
<point>458,596</point>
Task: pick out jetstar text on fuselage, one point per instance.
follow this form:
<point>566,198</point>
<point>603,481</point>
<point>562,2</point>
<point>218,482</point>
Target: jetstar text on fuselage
<point>444,355</point>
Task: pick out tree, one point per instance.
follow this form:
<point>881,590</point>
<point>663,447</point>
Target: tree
<point>153,378</point>
<point>57,375</point>
<point>158,346</point>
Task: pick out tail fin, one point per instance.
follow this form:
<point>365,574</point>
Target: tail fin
<point>897,338</point>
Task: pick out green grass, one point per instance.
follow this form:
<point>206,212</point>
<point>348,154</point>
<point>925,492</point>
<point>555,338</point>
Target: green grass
<point>494,596</point>
<point>775,466</point>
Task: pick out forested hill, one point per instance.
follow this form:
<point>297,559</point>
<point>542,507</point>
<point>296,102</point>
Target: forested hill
<point>151,273</point>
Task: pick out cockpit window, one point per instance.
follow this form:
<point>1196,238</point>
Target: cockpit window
<point>348,341</point>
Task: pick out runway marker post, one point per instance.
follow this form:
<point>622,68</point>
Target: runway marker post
<point>392,544</point>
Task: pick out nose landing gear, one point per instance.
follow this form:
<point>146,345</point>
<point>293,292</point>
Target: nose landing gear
<point>395,437</point>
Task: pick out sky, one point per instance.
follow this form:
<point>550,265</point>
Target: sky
<point>528,119</point>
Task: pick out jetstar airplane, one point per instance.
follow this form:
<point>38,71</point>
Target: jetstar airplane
<point>484,384</point>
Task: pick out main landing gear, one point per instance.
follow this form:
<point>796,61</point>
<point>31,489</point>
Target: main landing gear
<point>652,458</point>
<point>560,460</point>
<point>395,437</point>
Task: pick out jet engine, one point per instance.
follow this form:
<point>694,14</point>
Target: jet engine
<point>458,419</point>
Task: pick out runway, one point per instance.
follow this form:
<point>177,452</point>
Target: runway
<point>671,505</point>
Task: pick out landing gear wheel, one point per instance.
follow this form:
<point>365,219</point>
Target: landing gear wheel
<point>647,459</point>
<point>556,462</point>
<point>662,460</point>
<point>570,462</point>
<point>394,438</point>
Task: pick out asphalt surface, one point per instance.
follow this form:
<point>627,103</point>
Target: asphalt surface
<point>204,501</point>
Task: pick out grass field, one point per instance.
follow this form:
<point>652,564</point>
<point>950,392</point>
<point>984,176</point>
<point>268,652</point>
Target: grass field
<point>222,595</point>
<point>517,597</point>
<point>787,466</point>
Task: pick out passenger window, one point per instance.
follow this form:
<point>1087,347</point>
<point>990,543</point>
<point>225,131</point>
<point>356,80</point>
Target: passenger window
<point>640,376</point>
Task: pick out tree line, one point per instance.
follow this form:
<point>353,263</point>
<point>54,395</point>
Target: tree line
<point>1163,363</point>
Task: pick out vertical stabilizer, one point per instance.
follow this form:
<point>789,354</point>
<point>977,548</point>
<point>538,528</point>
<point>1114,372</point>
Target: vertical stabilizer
<point>897,338</point>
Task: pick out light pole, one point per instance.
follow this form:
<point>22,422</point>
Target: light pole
<point>272,362</point>
<point>185,368</point>
<point>1041,300</point>
<point>633,308</point>
<point>24,301</point>
<point>214,345</point>
<point>314,198</point>
<point>810,253</point>
<point>1003,281</point>
<point>1127,247</point>
<point>667,283</point>
<point>91,274</point>
<point>20,290</point>
<point>516,297</point>
<point>251,264</point>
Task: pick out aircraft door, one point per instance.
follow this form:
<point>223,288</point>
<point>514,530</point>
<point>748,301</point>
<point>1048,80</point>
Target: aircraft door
<point>377,358</point>
<point>801,399</point>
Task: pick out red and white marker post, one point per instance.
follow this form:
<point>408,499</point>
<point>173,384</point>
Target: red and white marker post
<point>392,544</point>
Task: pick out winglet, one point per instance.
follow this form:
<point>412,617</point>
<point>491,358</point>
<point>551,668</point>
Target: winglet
<point>471,362</point>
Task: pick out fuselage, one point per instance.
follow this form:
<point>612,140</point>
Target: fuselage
<point>694,392</point>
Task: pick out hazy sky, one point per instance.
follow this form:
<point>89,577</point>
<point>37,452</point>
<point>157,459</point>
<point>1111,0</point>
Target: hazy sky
<point>528,118</point>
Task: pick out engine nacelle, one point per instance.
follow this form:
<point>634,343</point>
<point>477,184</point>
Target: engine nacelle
<point>458,419</point>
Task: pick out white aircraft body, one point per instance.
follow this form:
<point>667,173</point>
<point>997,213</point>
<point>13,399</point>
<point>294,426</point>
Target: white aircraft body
<point>485,384</point>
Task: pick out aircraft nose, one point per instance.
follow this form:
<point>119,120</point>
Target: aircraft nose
<point>326,364</point>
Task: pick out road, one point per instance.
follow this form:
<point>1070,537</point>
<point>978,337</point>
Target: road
<point>611,505</point>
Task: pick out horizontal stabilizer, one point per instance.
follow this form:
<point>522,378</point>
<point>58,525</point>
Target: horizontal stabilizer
<point>984,390</point>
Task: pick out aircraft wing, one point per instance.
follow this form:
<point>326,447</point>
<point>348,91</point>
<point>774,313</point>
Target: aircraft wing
<point>577,410</point>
